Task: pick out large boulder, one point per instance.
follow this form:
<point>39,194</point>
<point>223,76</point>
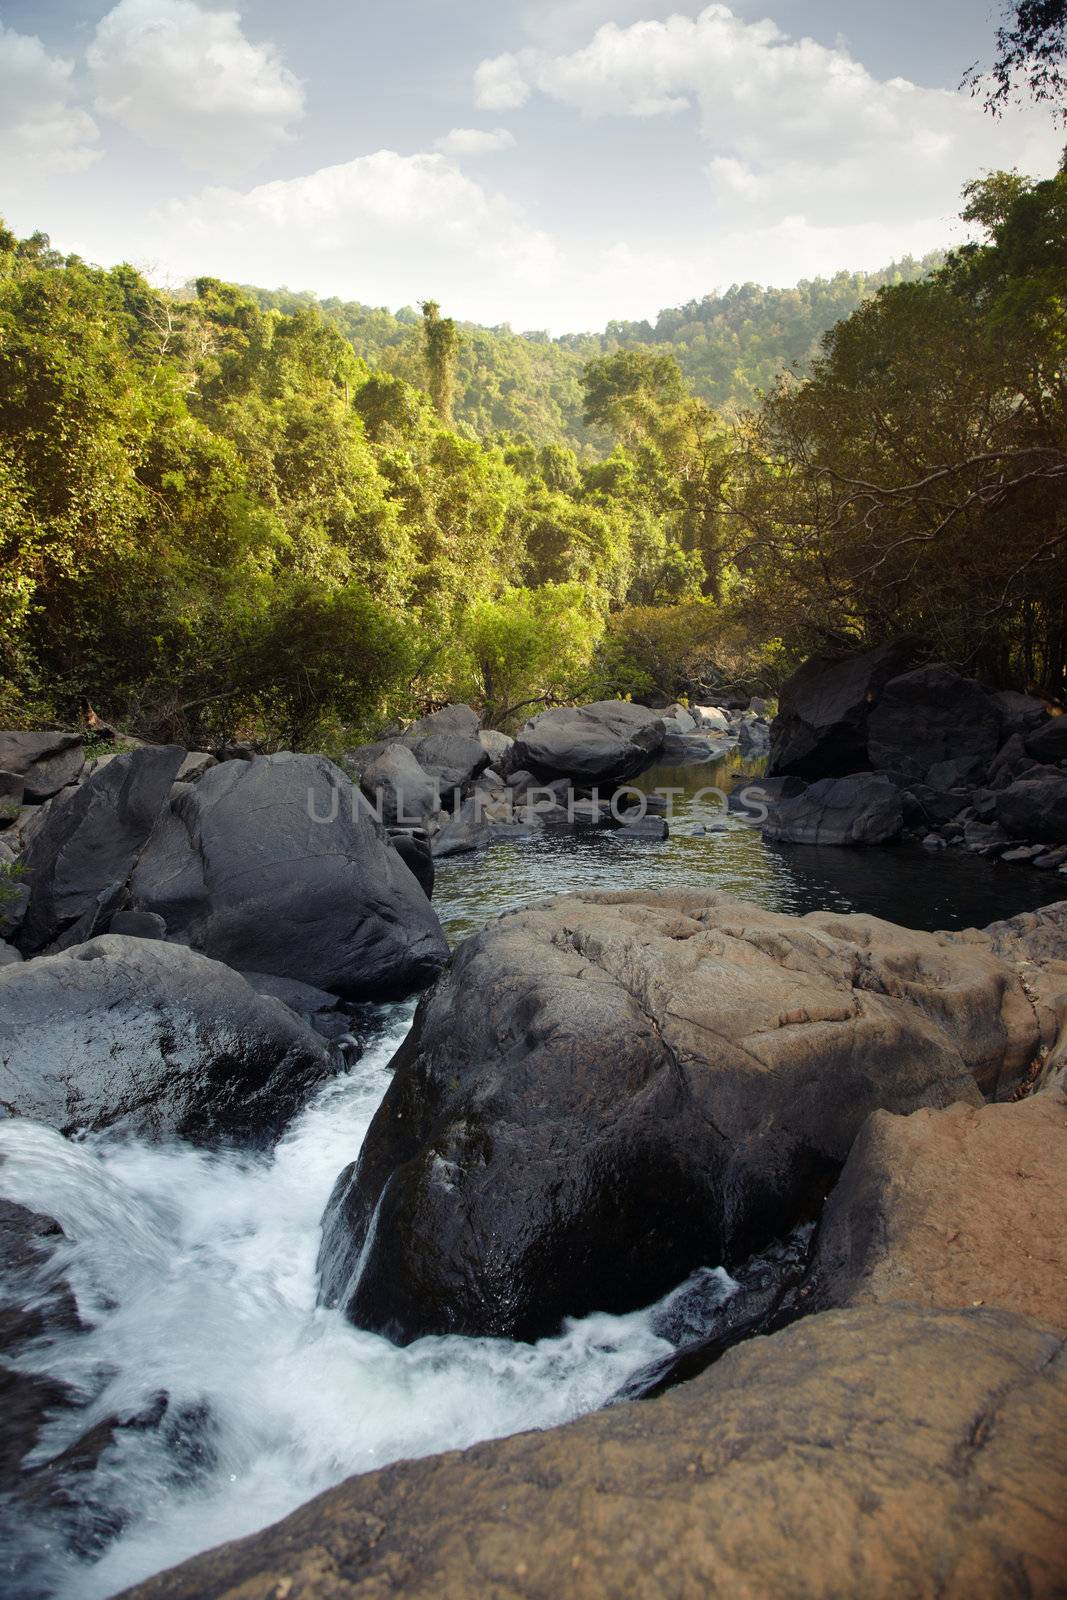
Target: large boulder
<point>45,762</point>
<point>930,716</point>
<point>1035,807</point>
<point>606,1091</point>
<point>863,809</point>
<point>876,1453</point>
<point>78,862</point>
<point>606,743</point>
<point>1049,741</point>
<point>957,1207</point>
<point>821,727</point>
<point>462,720</point>
<point>451,760</point>
<point>153,1039</point>
<point>279,865</point>
<point>399,788</point>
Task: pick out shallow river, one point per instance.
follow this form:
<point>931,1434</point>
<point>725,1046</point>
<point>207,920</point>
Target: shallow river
<point>196,1271</point>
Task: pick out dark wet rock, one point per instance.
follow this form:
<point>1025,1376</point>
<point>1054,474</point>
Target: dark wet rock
<point>1019,713</point>
<point>412,845</point>
<point>605,1092</point>
<point>278,865</point>
<point>1049,742</point>
<point>1010,762</point>
<point>328,1015</point>
<point>154,1039</point>
<point>606,742</point>
<point>863,809</point>
<point>650,827</point>
<point>876,1452</point>
<point>931,716</point>
<point>957,1207</point>
<point>1035,807</point>
<point>400,789</point>
<point>138,925</point>
<point>45,762</point>
<point>821,727</point>
<point>78,863</point>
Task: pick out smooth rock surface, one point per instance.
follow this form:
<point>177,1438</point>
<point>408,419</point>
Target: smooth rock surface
<point>929,716</point>
<point>604,1092</point>
<point>277,865</point>
<point>865,808</point>
<point>958,1207</point>
<point>860,1455</point>
<point>152,1038</point>
<point>1035,807</point>
<point>821,727</point>
<point>1049,742</point>
<point>399,788</point>
<point>83,855</point>
<point>608,741</point>
<point>46,762</point>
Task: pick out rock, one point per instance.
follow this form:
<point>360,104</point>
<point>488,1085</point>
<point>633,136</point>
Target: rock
<point>1019,713</point>
<point>192,769</point>
<point>1010,762</point>
<point>982,838</point>
<point>934,841</point>
<point>138,925</point>
<point>1049,742</point>
<point>960,775</point>
<point>606,1091</point>
<point>12,797</point>
<point>78,862</point>
<point>863,809</point>
<point>1050,859</point>
<point>711,719</point>
<point>1022,852</point>
<point>1035,807</point>
<point>324,1012</point>
<point>821,727</point>
<point>46,762</point>
<point>413,847</point>
<point>153,1039</point>
<point>930,716</point>
<point>399,789</point>
<point>277,865</point>
<point>453,719</point>
<point>452,759</point>
<point>679,720</point>
<point>953,1208</point>
<point>607,742</point>
<point>876,1452</point>
<point>754,737</point>
<point>495,744</point>
<point>644,828</point>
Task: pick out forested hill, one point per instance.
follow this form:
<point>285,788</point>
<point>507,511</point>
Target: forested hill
<point>730,346</point>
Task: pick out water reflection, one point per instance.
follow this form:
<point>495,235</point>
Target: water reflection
<point>903,883</point>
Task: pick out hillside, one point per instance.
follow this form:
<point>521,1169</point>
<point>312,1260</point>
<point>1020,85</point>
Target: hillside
<point>730,346</point>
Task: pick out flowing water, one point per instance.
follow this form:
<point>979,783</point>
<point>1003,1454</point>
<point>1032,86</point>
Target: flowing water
<point>195,1273</point>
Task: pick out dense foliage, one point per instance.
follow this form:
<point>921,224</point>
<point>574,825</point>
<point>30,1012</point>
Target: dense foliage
<point>917,482</point>
<point>216,518</point>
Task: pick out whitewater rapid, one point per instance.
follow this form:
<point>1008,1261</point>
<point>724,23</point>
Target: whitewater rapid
<point>196,1275</point>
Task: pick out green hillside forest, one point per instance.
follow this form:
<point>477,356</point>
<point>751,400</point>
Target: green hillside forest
<point>226,512</point>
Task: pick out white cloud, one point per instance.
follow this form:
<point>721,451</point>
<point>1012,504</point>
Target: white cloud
<point>187,79</point>
<point>499,84</point>
<point>40,129</point>
<point>475,141</point>
<point>791,124</point>
<point>383,228</point>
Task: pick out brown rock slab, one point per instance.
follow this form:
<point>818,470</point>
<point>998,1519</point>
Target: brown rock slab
<point>876,1453</point>
<point>958,1207</point>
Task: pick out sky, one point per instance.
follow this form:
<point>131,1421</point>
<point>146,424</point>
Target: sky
<point>551,165</point>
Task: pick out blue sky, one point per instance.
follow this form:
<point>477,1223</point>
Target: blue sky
<point>551,165</point>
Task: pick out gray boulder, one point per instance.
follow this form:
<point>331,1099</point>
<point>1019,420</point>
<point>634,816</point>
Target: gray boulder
<point>9,956</point>
<point>77,864</point>
<point>453,719</point>
<point>606,742</point>
<point>1019,713</point>
<point>401,790</point>
<point>451,759</point>
<point>606,1091</point>
<point>1049,742</point>
<point>1035,807</point>
<point>931,716</point>
<point>278,865</point>
<point>497,744</point>
<point>866,808</point>
<point>821,727</point>
<point>46,762</point>
<point>154,1039</point>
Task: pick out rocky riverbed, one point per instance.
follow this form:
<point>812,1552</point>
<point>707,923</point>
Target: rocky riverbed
<point>825,1150</point>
